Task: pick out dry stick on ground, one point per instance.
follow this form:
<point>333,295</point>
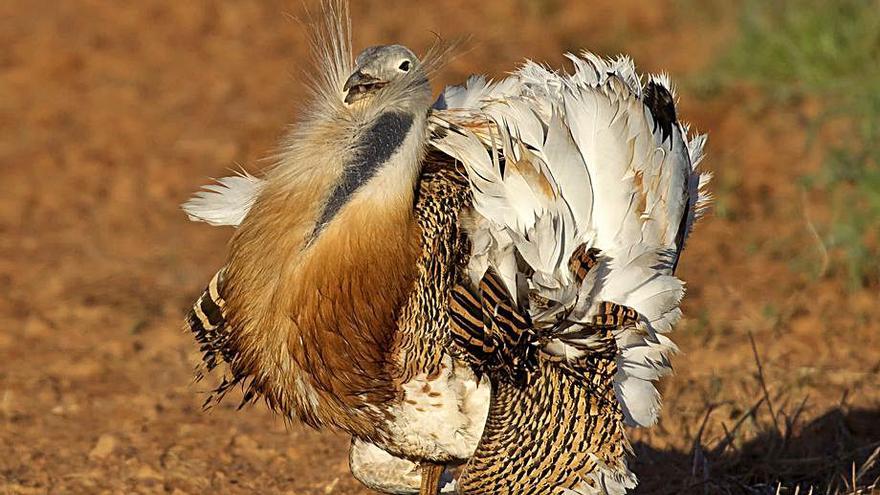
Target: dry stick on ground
<point>764,385</point>
<point>700,462</point>
<point>872,459</point>
<point>791,421</point>
<point>729,437</point>
<point>754,468</point>
<point>820,245</point>
<point>727,441</point>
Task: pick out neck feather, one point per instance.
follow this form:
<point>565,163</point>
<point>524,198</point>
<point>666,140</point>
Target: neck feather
<point>313,308</point>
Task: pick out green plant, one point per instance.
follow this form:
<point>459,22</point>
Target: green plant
<point>828,50</point>
<point>851,174</point>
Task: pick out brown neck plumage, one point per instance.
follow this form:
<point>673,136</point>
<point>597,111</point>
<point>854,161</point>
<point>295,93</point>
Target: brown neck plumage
<point>313,319</point>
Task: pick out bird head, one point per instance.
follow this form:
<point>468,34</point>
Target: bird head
<point>388,69</point>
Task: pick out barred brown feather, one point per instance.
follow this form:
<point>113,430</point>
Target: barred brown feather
<point>558,421</point>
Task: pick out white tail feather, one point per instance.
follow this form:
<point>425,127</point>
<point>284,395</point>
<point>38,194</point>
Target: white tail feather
<point>226,202</point>
<point>563,160</point>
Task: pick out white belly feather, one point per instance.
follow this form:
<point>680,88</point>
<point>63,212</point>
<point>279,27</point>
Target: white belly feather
<point>439,419</point>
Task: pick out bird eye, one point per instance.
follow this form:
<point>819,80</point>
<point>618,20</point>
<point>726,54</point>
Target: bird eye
<point>404,66</point>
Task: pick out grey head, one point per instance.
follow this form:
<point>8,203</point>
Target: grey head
<point>391,80</point>
<point>386,65</point>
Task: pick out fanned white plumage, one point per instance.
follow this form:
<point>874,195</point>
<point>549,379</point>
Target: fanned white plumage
<point>584,162</point>
<point>558,160</point>
<point>474,92</point>
<point>226,202</point>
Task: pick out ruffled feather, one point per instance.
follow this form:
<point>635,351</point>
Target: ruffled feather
<point>559,160</point>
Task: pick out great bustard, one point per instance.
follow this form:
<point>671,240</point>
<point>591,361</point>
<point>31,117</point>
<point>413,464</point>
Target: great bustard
<point>525,230</point>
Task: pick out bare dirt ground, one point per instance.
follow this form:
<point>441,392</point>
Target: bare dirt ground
<point>112,113</point>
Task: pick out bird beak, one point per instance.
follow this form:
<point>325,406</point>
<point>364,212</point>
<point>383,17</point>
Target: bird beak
<point>359,84</point>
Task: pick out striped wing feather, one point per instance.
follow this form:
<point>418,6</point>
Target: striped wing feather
<point>554,423</point>
<point>590,160</point>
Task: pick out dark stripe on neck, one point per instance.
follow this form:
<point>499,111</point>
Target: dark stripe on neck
<point>377,144</point>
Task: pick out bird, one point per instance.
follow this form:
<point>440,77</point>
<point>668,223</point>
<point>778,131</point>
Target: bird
<point>330,306</point>
<point>486,280</point>
<point>585,187</point>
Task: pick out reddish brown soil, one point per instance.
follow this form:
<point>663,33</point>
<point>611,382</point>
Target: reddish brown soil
<point>111,114</point>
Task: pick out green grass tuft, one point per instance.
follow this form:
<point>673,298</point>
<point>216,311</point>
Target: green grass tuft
<point>829,51</point>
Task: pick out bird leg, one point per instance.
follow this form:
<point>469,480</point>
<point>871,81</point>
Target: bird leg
<point>431,474</point>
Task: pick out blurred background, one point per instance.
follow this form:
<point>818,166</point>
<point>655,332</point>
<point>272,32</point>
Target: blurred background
<point>113,113</point>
